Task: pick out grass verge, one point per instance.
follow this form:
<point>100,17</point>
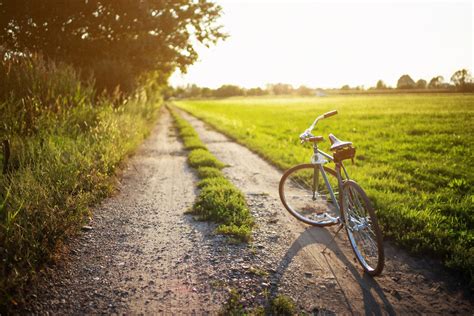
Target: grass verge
<point>280,305</point>
<point>218,200</point>
<point>66,145</point>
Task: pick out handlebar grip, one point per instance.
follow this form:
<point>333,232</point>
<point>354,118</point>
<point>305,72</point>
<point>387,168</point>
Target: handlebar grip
<point>312,139</point>
<point>330,113</point>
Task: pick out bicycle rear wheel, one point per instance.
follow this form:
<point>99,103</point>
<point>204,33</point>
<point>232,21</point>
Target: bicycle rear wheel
<point>305,195</point>
<point>362,228</point>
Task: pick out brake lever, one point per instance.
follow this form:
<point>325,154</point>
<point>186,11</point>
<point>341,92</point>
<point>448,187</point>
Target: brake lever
<point>304,136</point>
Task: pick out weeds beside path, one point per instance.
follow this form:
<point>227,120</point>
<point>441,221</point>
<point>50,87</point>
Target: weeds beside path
<point>218,200</point>
<point>66,145</point>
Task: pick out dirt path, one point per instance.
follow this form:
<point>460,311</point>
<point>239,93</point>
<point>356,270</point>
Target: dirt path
<point>143,255</point>
<point>331,282</point>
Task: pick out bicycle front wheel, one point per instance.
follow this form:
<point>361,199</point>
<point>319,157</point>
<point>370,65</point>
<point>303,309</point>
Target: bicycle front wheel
<point>362,228</point>
<point>305,195</point>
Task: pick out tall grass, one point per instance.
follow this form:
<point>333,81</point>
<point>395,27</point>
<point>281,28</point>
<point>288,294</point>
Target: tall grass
<point>414,158</point>
<point>66,144</point>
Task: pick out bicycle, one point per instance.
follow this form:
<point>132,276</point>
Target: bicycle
<point>320,196</point>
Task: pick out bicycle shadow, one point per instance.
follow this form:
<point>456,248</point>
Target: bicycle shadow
<point>315,235</point>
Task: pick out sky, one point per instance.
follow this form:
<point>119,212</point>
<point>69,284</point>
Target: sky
<point>328,44</point>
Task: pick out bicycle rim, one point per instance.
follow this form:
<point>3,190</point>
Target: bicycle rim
<point>362,228</point>
<point>308,199</point>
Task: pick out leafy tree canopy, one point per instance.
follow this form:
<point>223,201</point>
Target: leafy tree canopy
<point>118,40</point>
<point>304,90</point>
<point>381,85</point>
<point>421,84</point>
<point>228,90</point>
<point>405,82</point>
<point>280,88</point>
<point>436,82</point>
<point>461,78</point>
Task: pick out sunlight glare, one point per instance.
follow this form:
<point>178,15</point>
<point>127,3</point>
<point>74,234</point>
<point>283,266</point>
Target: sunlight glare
<point>329,44</point>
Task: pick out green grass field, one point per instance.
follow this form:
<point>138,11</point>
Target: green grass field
<point>414,157</point>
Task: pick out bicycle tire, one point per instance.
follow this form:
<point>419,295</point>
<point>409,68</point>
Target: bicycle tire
<point>298,199</point>
<point>362,228</point>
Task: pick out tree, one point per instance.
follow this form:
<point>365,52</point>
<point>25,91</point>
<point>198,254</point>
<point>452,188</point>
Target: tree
<point>193,91</point>
<point>436,82</point>
<point>304,91</point>
<point>380,85</point>
<point>179,92</point>
<point>256,91</point>
<point>461,79</point>
<point>206,92</point>
<point>116,40</point>
<point>280,88</point>
<point>421,84</point>
<point>168,92</point>
<point>345,87</point>
<point>228,91</point>
<point>405,82</point>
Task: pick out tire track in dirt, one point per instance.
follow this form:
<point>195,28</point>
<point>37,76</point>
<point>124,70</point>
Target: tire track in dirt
<point>333,281</point>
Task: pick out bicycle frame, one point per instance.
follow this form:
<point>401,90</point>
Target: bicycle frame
<point>352,209</point>
<point>318,159</point>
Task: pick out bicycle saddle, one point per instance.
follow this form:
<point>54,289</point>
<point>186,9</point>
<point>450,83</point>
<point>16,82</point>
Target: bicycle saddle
<point>337,144</point>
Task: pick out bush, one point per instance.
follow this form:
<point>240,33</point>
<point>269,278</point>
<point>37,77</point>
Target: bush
<point>187,131</point>
<point>191,143</point>
<point>202,158</point>
<point>241,233</point>
<point>222,204</point>
<point>209,172</point>
<point>213,182</point>
<point>282,305</point>
<point>233,306</point>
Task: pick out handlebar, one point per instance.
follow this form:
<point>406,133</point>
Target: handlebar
<point>307,133</point>
<point>330,113</point>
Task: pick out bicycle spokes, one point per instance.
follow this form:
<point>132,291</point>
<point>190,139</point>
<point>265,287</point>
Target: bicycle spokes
<point>305,195</point>
<point>363,231</point>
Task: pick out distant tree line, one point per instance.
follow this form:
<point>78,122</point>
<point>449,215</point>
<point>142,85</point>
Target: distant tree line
<point>228,90</point>
<point>461,81</point>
